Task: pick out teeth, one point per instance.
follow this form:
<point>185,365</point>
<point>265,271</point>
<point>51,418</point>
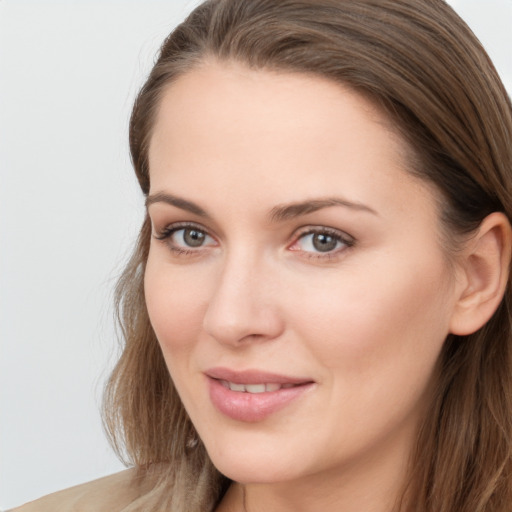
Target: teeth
<point>236,387</point>
<point>255,388</point>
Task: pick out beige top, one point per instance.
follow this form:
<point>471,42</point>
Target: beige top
<point>109,494</point>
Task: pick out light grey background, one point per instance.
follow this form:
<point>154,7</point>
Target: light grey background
<point>69,213</point>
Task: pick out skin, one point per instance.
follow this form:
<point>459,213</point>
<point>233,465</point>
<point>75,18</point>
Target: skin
<point>365,321</point>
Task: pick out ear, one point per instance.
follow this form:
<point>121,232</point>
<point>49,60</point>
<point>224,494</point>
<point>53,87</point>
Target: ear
<point>485,266</point>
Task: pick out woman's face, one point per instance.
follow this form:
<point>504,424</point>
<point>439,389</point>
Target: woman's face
<point>295,280</point>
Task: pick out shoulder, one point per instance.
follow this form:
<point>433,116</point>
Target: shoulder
<point>108,494</point>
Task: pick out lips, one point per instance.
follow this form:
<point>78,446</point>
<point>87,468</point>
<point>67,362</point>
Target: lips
<point>253,377</point>
<point>252,395</point>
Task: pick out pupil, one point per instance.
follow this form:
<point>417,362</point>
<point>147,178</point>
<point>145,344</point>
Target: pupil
<point>324,243</point>
<point>193,237</point>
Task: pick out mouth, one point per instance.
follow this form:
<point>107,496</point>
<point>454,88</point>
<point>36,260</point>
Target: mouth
<point>256,388</point>
<point>252,395</point>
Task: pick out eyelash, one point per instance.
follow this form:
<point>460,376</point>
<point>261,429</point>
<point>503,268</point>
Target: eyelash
<point>346,240</point>
<point>166,233</point>
<point>339,236</point>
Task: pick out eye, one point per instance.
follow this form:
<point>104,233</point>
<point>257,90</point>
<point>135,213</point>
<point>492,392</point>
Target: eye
<point>322,241</point>
<point>185,238</point>
<point>189,237</point>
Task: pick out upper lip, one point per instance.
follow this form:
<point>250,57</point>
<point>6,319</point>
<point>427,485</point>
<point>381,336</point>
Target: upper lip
<point>253,377</point>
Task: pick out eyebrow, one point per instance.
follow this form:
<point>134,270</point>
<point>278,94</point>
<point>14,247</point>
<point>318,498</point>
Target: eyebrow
<point>277,214</point>
<point>290,211</point>
<point>179,202</point>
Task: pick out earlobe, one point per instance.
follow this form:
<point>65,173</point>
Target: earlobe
<point>485,265</point>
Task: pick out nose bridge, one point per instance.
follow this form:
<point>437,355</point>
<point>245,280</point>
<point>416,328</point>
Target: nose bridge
<point>242,305</point>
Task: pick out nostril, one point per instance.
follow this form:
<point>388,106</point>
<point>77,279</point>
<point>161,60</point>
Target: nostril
<point>241,309</point>
<point>249,323</point>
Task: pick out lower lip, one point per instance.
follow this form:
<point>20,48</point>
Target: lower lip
<point>252,407</point>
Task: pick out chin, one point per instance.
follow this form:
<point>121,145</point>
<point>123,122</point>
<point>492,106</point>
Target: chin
<point>253,464</point>
<point>246,474</point>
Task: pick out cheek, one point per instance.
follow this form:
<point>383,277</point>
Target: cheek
<point>386,324</point>
<point>377,339</point>
<point>176,304</point>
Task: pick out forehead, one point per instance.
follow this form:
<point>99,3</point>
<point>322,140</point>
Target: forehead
<point>273,102</point>
<point>268,135</point>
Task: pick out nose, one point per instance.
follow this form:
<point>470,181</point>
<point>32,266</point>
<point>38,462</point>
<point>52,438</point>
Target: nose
<point>244,304</point>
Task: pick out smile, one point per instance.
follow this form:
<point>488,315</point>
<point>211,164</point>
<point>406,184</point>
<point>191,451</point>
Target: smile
<point>252,395</point>
<point>255,388</point>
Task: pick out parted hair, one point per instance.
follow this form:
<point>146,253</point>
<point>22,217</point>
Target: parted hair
<point>424,68</point>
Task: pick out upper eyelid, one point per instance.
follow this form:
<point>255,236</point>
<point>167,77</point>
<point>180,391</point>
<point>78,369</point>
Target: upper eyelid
<point>176,226</point>
<point>318,229</point>
<point>306,230</point>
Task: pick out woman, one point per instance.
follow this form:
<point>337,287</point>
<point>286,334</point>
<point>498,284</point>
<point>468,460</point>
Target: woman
<point>323,270</point>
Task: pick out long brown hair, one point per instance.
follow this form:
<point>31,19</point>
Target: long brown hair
<point>420,63</point>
